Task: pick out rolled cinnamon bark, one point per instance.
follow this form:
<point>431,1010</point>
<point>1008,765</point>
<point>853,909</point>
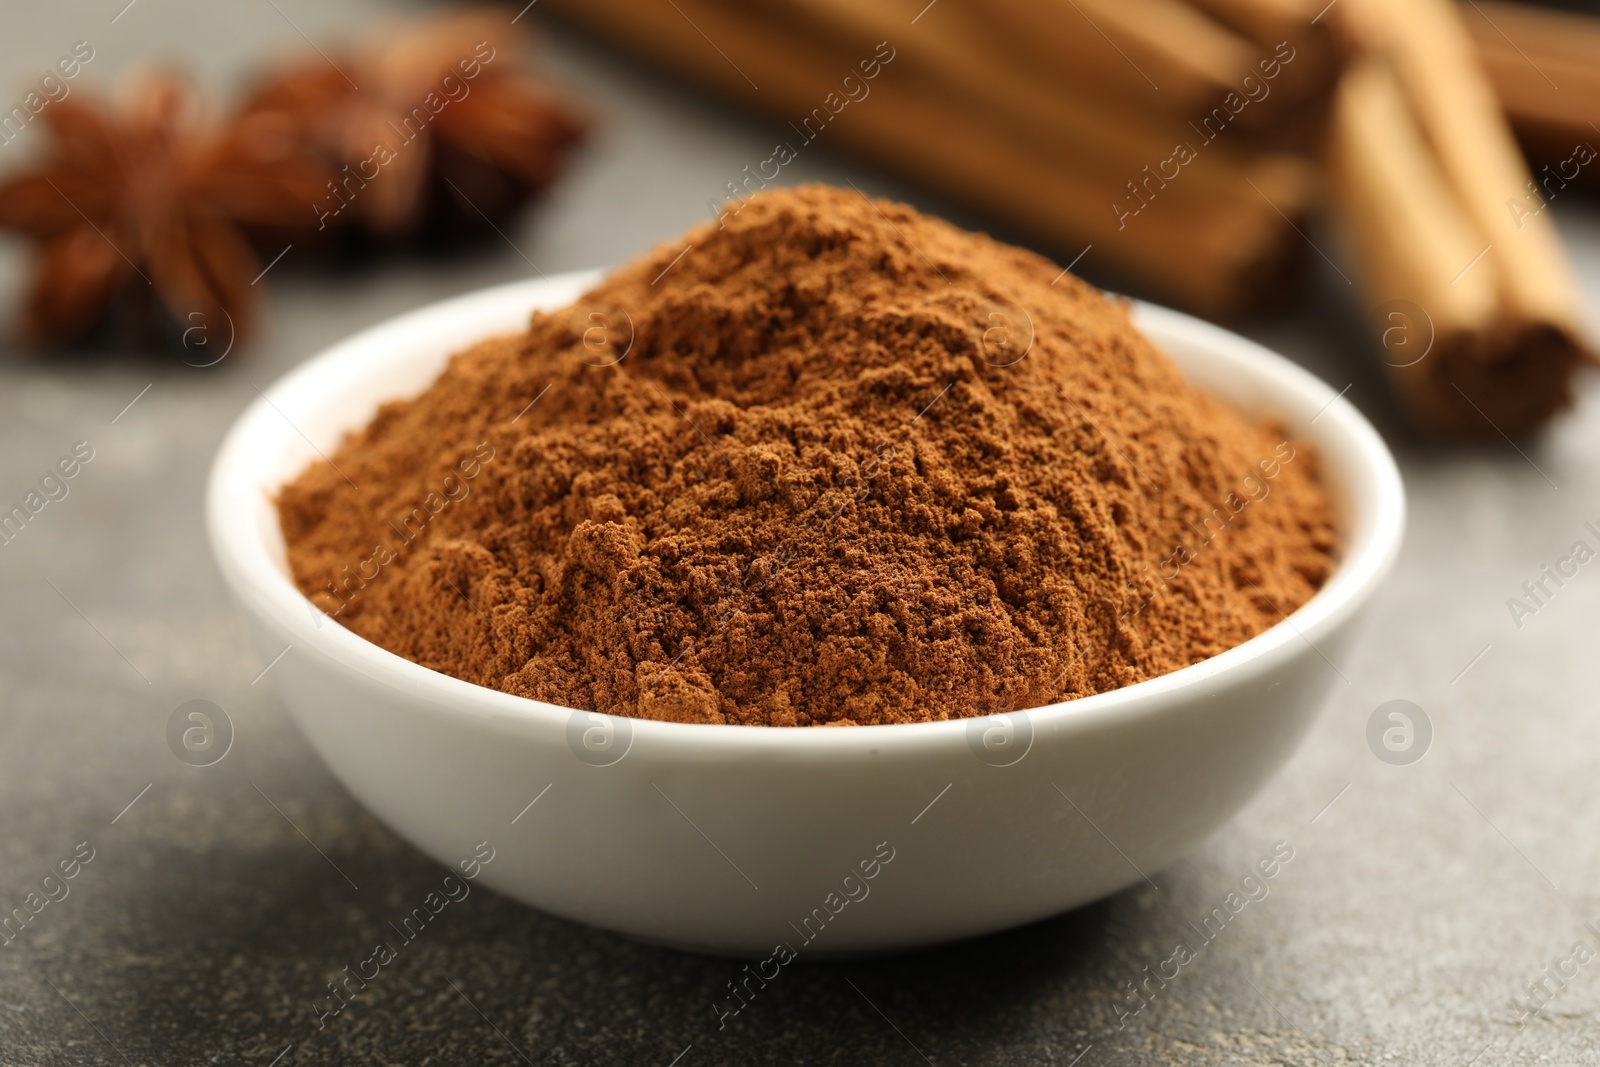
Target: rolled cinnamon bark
<point>1218,238</point>
<point>1132,57</point>
<point>1427,176</point>
<point>1162,54</point>
<point>982,54</point>
<point>1545,67</point>
<point>1297,115</point>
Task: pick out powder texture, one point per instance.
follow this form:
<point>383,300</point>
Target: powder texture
<point>837,463</point>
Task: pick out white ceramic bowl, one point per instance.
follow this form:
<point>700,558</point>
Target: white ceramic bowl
<point>733,839</point>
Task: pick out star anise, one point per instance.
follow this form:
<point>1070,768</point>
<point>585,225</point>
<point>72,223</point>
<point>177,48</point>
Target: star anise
<point>434,127</point>
<point>141,213</point>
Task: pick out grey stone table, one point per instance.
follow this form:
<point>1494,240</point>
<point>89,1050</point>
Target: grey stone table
<point>1420,903</point>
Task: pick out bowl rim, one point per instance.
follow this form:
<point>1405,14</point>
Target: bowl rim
<point>263,590</point>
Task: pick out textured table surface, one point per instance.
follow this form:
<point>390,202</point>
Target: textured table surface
<point>1420,902</point>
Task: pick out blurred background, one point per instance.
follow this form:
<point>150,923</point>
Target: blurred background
<point>1399,196</point>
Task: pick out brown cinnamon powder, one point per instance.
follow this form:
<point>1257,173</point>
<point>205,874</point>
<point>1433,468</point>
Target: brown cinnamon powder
<point>838,463</point>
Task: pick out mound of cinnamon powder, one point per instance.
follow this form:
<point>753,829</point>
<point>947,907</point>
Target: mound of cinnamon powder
<point>837,463</point>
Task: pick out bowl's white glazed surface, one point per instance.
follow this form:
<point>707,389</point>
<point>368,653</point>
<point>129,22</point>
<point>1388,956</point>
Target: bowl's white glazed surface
<point>735,839</point>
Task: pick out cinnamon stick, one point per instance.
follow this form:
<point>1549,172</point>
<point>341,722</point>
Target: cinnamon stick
<point>1545,68</point>
<point>1181,65</point>
<point>949,51</point>
<point>1319,55</point>
<point>1424,165</point>
<point>1216,239</point>
<point>1173,57</point>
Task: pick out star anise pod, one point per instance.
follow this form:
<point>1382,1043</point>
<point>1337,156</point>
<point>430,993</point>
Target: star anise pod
<point>433,127</point>
<point>141,213</point>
